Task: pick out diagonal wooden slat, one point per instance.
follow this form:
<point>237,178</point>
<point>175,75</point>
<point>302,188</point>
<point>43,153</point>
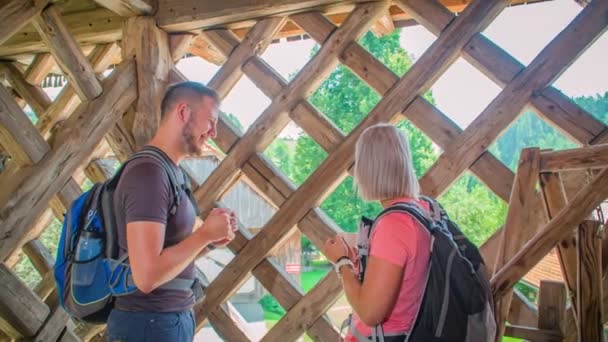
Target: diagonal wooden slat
<point>129,8</point>
<point>417,80</point>
<point>425,116</point>
<point>15,14</point>
<point>501,68</point>
<point>275,117</point>
<point>255,42</point>
<point>33,95</point>
<point>87,126</point>
<point>503,110</point>
<point>67,54</point>
<point>68,100</point>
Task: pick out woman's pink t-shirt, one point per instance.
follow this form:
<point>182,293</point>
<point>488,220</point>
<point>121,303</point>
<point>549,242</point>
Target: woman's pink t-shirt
<point>401,240</point>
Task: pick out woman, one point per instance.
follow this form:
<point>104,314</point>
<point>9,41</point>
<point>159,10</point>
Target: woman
<point>395,275</point>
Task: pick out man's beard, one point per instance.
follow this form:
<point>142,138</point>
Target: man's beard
<point>190,140</point>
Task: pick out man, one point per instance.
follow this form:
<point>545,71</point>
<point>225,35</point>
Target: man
<point>161,244</point>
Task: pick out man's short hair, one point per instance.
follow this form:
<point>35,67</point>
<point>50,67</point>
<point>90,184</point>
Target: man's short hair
<point>180,90</point>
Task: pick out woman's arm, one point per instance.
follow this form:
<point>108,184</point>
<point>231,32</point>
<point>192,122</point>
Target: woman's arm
<point>375,298</point>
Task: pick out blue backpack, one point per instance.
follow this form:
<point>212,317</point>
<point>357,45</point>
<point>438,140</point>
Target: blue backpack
<point>89,270</point>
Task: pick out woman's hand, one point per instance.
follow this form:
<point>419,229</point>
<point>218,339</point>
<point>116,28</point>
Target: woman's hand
<point>335,248</point>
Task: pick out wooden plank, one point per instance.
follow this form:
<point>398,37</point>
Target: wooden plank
<point>555,200</point>
<point>33,95</point>
<point>67,54</point>
<point>40,67</point>
<point>67,100</point>
<point>21,312</point>
<point>15,14</point>
<point>545,68</point>
<point>559,228</point>
<point>129,8</point>
<point>275,117</point>
<point>87,127</point>
<point>575,159</point>
<point>520,216</point>
<point>428,67</point>
<point>533,334</point>
<point>149,46</point>
<point>54,326</point>
<point>255,42</point>
<point>552,306</point>
<point>38,227</point>
<point>589,284</point>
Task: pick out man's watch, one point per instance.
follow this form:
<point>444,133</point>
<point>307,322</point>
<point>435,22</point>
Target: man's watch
<point>342,262</point>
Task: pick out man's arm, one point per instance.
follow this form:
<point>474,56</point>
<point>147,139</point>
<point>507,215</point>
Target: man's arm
<point>153,266</point>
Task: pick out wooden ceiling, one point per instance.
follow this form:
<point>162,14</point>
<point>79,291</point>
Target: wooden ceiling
<point>92,24</point>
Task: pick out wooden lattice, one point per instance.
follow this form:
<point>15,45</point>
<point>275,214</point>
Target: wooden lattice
<point>93,115</point>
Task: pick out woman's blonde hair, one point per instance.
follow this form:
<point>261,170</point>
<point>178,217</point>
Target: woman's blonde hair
<point>383,164</point>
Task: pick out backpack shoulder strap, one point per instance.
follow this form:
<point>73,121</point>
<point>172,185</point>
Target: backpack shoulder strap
<point>411,209</point>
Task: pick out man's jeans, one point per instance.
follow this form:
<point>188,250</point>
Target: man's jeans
<point>126,326</point>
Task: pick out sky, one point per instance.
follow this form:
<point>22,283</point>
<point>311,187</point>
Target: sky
<point>462,92</point>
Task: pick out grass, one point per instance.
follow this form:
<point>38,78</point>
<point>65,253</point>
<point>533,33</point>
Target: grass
<point>310,279</point>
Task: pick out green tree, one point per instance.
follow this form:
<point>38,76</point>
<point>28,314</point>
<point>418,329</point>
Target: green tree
<point>596,105</point>
<point>346,100</point>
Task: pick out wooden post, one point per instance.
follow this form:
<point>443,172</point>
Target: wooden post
<point>15,14</point>
<point>149,46</point>
<point>589,282</point>
<point>520,224</point>
<point>552,306</point>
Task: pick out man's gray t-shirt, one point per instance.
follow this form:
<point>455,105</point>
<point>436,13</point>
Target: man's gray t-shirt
<point>144,193</point>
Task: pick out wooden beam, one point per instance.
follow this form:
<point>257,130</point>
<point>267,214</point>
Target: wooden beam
<point>129,8</point>
<point>87,126</point>
<point>307,311</point>
<point>66,52</point>
<point>559,228</point>
<point>520,223</point>
<point>589,285</point>
<point>421,113</point>
<point>33,95</point>
<point>428,67</point>
<point>275,117</point>
<point>384,25</point>
<point>533,334</point>
<point>40,67</point>
<point>179,44</point>
<point>502,68</point>
<point>99,26</point>
<point>255,42</point>
<point>187,15</point>
<point>15,14</point>
<point>545,68</point>
<point>67,100</point>
<point>149,47</point>
<point>575,159</point>
<point>552,306</point>
<point>555,200</point>
<point>208,52</point>
<point>21,312</point>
